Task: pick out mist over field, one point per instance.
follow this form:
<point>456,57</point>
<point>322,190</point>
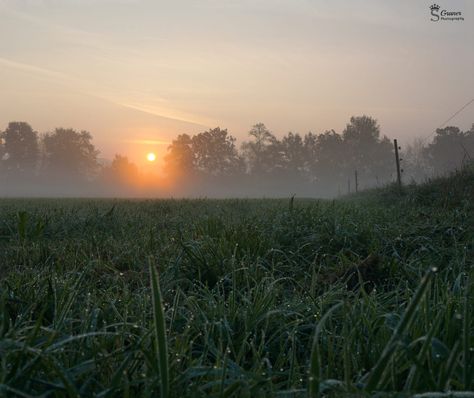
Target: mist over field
<point>65,162</point>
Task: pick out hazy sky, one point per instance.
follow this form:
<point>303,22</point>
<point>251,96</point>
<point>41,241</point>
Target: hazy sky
<point>137,73</point>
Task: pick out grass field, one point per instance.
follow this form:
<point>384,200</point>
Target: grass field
<point>367,295</point>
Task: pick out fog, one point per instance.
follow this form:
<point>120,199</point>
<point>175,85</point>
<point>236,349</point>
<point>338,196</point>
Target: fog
<point>65,163</point>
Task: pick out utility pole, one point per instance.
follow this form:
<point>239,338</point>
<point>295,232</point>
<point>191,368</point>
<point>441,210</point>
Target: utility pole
<point>397,162</point>
<point>356,181</point>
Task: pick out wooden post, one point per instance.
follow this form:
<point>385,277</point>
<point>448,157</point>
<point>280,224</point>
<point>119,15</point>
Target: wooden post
<point>397,162</point>
<point>356,181</point>
<point>348,185</point>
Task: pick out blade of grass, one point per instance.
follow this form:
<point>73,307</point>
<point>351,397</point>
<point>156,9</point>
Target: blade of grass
<point>411,379</point>
<point>466,338</point>
<point>159,327</point>
<point>378,373</point>
<point>315,373</point>
<point>450,366</point>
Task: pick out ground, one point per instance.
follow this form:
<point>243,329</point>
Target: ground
<point>364,295</point>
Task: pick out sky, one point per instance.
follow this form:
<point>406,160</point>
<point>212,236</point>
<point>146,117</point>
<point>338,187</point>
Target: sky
<point>136,73</point>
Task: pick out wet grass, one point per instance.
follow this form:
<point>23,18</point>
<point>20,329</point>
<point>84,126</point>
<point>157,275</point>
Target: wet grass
<point>371,295</point>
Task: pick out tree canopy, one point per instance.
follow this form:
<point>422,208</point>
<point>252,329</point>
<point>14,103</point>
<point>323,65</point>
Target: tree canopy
<point>70,153</point>
<point>20,150</point>
<point>450,148</point>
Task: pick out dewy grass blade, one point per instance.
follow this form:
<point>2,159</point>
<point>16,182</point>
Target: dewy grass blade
<point>450,366</point>
<point>378,373</point>
<point>466,337</point>
<point>411,378</point>
<point>68,299</point>
<point>14,391</point>
<point>315,362</point>
<point>159,327</point>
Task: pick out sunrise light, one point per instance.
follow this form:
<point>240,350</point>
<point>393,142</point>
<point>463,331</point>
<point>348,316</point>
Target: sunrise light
<point>151,157</point>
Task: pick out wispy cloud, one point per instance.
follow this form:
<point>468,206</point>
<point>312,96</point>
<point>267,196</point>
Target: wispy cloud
<point>33,69</point>
<point>167,113</point>
<point>148,142</point>
<point>81,86</point>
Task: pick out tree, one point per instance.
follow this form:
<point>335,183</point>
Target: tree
<point>361,130</point>
<point>366,151</point>
<point>3,155</point>
<point>329,167</point>
<point>214,153</point>
<point>263,152</point>
<point>450,149</point>
<point>417,165</point>
<point>179,161</point>
<point>70,153</point>
<point>121,171</point>
<point>293,154</point>
<point>19,148</point>
<point>311,153</point>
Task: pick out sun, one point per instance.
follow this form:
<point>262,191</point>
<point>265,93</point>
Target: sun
<point>151,157</point>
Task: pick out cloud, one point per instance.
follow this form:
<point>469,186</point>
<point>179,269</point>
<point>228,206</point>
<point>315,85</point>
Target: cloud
<point>148,142</point>
<point>32,69</point>
<point>74,84</point>
<point>166,113</point>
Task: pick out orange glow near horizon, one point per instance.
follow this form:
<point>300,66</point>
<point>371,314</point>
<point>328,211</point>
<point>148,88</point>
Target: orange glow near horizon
<point>151,157</point>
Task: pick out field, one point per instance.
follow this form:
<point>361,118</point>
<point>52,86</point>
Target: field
<point>366,295</point>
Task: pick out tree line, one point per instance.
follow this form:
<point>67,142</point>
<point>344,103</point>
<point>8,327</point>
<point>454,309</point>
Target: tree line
<point>211,162</point>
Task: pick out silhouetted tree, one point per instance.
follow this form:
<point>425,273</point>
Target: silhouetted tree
<point>468,145</point>
<point>70,153</point>
<point>121,171</point>
<point>215,153</point>
<point>19,152</point>
<point>293,155</point>
<point>179,161</point>
<point>310,148</point>
<point>262,154</point>
<point>417,165</point>
<point>2,151</point>
<point>366,151</point>
<point>330,166</point>
<point>450,149</point>
<point>210,153</point>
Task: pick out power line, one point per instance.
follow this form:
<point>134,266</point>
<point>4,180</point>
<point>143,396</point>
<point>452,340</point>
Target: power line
<point>450,118</point>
